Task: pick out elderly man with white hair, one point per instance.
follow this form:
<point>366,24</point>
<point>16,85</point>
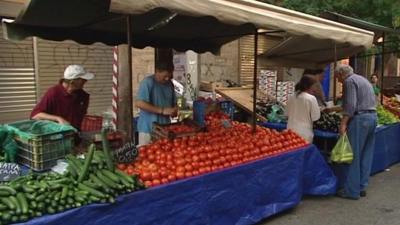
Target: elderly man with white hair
<point>359,122</point>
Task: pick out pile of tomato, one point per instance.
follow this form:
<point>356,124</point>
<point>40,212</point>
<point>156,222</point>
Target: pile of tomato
<point>165,161</point>
<point>180,128</point>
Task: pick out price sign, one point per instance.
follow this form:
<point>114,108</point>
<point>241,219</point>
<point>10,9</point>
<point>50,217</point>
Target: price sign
<point>126,153</point>
<point>9,171</point>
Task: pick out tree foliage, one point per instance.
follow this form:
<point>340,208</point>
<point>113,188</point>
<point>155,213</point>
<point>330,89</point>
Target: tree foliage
<point>382,12</point>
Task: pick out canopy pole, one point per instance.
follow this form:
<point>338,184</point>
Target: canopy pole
<point>125,100</point>
<point>383,65</point>
<point>334,77</point>
<point>255,82</point>
<point>129,38</point>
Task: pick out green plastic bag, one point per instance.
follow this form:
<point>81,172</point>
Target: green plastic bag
<point>342,152</point>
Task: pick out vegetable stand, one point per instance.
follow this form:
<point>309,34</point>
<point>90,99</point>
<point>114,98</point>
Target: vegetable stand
<point>386,152</point>
<point>244,194</point>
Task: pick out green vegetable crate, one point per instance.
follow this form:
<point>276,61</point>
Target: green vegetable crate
<point>42,143</point>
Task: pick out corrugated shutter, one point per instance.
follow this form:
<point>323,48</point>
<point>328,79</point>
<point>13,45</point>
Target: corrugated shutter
<point>17,79</point>
<point>246,52</point>
<point>53,57</point>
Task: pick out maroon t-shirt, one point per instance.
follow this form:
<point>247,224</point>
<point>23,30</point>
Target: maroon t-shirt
<point>57,101</point>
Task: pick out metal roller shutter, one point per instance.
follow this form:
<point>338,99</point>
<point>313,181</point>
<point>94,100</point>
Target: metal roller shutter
<point>246,52</point>
<point>17,79</point>
<point>53,57</point>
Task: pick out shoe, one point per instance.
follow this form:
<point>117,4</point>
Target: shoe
<point>340,193</point>
<point>363,193</point>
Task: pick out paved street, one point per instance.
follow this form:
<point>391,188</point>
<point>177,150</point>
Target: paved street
<point>380,207</point>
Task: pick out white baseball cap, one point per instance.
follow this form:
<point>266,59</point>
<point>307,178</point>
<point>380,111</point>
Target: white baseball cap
<point>77,71</point>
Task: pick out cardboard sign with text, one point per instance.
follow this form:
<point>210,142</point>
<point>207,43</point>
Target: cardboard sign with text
<point>9,171</point>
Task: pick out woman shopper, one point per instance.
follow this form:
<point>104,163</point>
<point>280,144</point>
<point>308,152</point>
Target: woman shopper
<point>302,109</point>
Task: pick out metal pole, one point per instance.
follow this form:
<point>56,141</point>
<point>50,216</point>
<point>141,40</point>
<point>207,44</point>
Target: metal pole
<point>334,77</point>
<point>131,134</point>
<point>255,81</point>
<point>383,65</point>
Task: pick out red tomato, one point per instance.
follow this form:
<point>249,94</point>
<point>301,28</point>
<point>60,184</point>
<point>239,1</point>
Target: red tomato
<point>121,166</point>
<point>156,182</point>
<point>171,177</point>
<point>148,183</point>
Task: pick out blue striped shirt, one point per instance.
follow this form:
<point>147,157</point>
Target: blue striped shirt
<point>358,95</point>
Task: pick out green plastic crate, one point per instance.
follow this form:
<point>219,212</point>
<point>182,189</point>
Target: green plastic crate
<point>41,143</point>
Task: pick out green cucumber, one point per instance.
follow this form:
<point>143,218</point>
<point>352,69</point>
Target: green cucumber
<point>3,207</point>
<point>33,204</point>
<point>41,205</point>
<point>91,190</point>
<point>88,161</point>
<point>41,197</point>
<point>99,183</point>
<point>30,196</point>
<point>51,210</point>
<point>60,208</point>
<point>106,180</point>
<point>70,200</point>
<point>80,199</point>
<point>57,196</point>
<point>22,202</point>
<point>125,176</point>
<point>14,200</point>
<point>114,177</point>
<point>55,186</point>
<point>27,188</point>
<point>106,150</point>
<point>81,192</point>
<point>23,218</point>
<point>10,190</point>
<point>94,198</point>
<point>6,217</point>
<point>14,219</point>
<point>64,192</point>
<point>90,184</point>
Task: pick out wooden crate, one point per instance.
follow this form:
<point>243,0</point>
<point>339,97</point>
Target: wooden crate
<point>162,131</point>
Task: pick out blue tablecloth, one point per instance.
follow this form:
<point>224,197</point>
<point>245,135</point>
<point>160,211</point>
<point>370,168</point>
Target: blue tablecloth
<point>387,147</point>
<point>317,133</point>
<point>243,194</point>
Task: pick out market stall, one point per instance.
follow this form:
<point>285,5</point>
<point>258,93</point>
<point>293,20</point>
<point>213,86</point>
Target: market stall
<point>244,194</point>
<point>269,173</point>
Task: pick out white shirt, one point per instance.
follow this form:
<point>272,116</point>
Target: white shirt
<point>302,110</point>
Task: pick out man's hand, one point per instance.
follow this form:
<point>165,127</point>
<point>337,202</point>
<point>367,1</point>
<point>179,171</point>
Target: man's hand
<point>343,124</point>
<point>172,111</point>
<point>61,120</point>
<point>342,129</point>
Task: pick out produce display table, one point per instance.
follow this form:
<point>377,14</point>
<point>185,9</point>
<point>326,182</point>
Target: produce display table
<point>325,136</point>
<point>387,147</point>
<point>317,133</point>
<point>386,152</point>
<point>243,194</point>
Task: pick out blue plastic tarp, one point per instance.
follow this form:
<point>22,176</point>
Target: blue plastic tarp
<point>386,151</point>
<point>387,147</point>
<point>240,195</point>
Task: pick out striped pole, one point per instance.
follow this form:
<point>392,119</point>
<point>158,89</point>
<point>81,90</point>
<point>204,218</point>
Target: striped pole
<point>115,88</point>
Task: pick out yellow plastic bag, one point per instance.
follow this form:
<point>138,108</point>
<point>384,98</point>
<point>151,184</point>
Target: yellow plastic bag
<point>342,152</point>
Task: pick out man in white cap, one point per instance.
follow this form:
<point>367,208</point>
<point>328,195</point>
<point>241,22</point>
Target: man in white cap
<point>66,102</point>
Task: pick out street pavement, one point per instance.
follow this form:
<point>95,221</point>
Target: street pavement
<point>381,206</point>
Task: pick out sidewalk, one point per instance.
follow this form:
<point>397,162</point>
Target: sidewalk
<point>380,207</point>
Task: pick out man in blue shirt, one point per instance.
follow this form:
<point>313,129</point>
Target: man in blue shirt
<point>359,121</point>
<point>156,100</point>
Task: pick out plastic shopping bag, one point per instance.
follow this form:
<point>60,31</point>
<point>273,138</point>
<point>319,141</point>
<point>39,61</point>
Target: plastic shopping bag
<point>342,152</point>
